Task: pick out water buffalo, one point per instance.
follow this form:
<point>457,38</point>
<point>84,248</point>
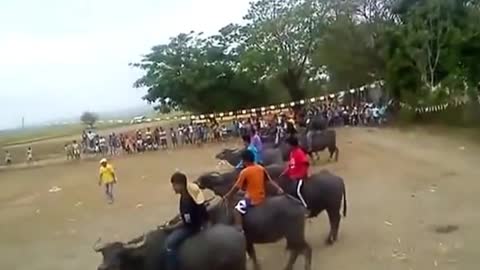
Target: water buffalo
<point>278,218</point>
<point>316,122</point>
<point>321,140</point>
<point>232,156</point>
<point>220,183</point>
<point>321,191</point>
<point>220,247</point>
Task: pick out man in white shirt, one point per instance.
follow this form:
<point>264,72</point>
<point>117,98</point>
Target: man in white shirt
<point>8,158</point>
<point>376,114</point>
<point>29,155</point>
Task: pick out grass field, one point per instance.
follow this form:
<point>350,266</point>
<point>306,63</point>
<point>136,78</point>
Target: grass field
<point>45,133</point>
<point>32,135</point>
<point>48,143</point>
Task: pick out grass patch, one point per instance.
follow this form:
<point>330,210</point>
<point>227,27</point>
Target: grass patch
<point>49,141</point>
<point>38,134</point>
<point>32,135</point>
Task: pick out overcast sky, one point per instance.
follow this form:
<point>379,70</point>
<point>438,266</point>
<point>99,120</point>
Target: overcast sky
<point>61,57</point>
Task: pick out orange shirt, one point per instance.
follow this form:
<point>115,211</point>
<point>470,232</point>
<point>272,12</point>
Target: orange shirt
<point>252,178</point>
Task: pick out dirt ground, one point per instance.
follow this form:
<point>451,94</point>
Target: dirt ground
<point>401,187</point>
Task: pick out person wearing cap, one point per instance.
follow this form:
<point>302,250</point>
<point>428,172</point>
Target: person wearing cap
<point>193,216</point>
<point>108,178</point>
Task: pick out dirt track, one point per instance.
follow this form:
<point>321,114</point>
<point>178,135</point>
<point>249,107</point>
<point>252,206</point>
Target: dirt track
<point>400,187</point>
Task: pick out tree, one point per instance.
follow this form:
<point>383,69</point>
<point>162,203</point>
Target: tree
<point>428,33</point>
<point>470,44</point>
<point>165,109</point>
<point>427,48</point>
<point>351,58</point>
<point>290,49</point>
<point>280,38</point>
<point>352,43</point>
<point>199,74</point>
<point>89,118</point>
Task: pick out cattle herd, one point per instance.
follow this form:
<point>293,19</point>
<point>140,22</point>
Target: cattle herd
<point>279,217</point>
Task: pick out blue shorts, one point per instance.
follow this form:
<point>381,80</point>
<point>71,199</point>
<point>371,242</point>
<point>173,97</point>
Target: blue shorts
<point>243,205</point>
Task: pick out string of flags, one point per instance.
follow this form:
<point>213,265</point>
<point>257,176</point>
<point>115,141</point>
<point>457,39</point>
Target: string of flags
<point>277,108</point>
<point>434,108</point>
<point>282,107</point>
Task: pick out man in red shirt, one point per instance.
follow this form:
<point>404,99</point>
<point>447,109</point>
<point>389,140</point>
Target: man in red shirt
<point>297,169</point>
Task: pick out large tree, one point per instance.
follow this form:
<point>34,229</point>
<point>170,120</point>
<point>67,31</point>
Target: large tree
<point>427,48</point>
<point>352,43</point>
<point>199,74</point>
<point>350,54</point>
<point>284,47</point>
<point>280,38</point>
<point>89,118</point>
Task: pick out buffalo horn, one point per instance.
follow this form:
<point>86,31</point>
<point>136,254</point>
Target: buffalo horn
<point>97,246</point>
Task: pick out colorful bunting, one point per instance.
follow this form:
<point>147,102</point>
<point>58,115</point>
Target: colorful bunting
<point>283,107</point>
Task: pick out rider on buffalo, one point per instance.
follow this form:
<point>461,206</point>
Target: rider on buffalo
<point>193,215</point>
<point>253,178</point>
<point>256,141</point>
<point>297,169</point>
<point>250,147</point>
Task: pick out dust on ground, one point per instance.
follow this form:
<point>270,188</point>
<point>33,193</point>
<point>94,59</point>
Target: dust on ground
<point>412,201</point>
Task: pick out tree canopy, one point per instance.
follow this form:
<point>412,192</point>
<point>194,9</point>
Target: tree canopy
<point>424,51</point>
<point>89,118</point>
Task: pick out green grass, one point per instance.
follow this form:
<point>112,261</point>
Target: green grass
<point>31,135</point>
<point>38,134</point>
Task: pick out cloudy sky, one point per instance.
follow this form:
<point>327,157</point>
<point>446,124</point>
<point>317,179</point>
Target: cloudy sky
<point>61,57</point>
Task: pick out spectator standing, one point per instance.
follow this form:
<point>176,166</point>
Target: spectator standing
<point>29,155</point>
